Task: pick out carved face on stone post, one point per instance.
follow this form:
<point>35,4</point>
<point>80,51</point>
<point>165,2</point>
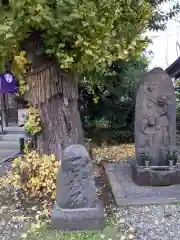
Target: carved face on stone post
<point>151,121</point>
<point>162,101</point>
<point>151,87</point>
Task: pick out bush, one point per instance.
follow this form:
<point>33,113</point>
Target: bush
<point>35,175</point>
<point>115,109</point>
<point>33,123</point>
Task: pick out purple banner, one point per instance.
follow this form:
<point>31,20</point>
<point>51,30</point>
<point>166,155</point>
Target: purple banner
<point>8,83</point>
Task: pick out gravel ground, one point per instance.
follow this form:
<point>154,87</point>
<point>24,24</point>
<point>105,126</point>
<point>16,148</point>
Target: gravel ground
<point>153,222</point>
<point>12,218</point>
<point>148,222</point>
<point>15,212</point>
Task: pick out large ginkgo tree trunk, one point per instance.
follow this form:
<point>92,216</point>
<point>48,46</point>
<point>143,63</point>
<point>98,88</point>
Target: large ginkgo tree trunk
<point>55,93</point>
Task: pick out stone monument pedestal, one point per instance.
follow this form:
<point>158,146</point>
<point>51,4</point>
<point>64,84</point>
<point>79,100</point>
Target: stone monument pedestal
<point>81,219</point>
<point>154,176</point>
<point>77,206</point>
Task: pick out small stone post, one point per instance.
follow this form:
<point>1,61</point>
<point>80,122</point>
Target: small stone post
<point>77,207</point>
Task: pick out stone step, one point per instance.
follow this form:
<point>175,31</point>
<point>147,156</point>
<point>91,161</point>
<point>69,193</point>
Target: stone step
<point>5,154</point>
<point>14,130</point>
<point>9,145</point>
<point>12,137</point>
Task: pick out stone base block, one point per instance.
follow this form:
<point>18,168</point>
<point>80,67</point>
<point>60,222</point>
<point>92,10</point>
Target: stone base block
<point>81,219</point>
<point>153,177</point>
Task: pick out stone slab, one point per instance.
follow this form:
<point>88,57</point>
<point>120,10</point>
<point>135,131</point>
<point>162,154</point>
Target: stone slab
<point>126,192</point>
<point>81,219</point>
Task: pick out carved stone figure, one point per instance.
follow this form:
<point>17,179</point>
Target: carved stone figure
<point>77,206</point>
<point>155,117</point>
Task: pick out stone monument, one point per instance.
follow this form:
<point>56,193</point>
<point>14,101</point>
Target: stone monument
<point>155,131</point>
<point>77,207</point>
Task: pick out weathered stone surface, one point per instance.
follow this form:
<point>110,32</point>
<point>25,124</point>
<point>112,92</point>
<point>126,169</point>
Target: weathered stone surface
<point>155,117</point>
<point>75,186</point>
<point>77,206</point>
<point>79,219</point>
<point>126,192</point>
<point>153,177</point>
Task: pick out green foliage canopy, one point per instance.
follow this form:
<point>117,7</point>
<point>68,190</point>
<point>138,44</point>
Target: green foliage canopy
<point>114,92</point>
<point>160,18</point>
<point>80,34</point>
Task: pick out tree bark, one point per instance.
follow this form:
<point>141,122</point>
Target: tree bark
<point>55,94</point>
<point>61,125</point>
